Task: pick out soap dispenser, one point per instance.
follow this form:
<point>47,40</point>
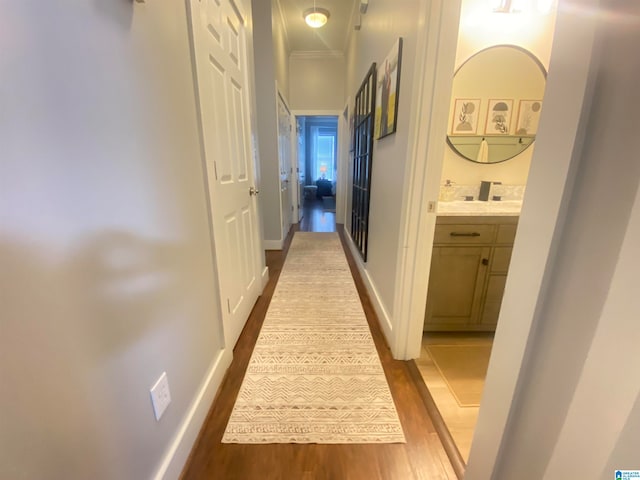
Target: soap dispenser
<point>447,192</point>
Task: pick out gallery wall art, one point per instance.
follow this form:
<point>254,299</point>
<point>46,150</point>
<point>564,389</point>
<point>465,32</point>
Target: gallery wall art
<point>388,92</point>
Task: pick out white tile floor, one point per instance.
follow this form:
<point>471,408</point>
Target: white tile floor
<point>460,421</point>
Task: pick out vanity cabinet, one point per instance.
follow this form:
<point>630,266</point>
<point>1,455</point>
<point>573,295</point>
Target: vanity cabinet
<point>469,268</point>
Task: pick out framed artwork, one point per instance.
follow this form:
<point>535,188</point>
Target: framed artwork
<point>498,117</point>
<point>465,116</point>
<point>388,92</point>
<point>528,117</point>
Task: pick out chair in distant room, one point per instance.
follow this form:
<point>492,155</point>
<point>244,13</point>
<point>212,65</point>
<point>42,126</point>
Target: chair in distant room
<point>324,188</point>
<point>310,192</point>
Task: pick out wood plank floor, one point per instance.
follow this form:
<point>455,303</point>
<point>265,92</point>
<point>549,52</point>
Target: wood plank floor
<point>315,218</point>
<point>422,457</point>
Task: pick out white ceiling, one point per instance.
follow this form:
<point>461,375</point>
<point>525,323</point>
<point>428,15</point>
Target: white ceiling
<point>330,38</point>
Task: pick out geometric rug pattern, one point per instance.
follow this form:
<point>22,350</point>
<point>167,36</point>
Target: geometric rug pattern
<point>314,375</point>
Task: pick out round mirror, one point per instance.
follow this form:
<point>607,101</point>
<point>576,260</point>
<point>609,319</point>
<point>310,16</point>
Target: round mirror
<point>496,104</point>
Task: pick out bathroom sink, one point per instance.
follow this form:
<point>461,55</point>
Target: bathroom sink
<point>476,207</point>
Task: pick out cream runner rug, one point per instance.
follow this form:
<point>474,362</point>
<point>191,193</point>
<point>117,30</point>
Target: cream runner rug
<point>314,375</point>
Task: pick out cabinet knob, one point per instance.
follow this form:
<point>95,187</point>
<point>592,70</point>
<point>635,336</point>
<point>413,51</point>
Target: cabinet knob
<point>485,261</point>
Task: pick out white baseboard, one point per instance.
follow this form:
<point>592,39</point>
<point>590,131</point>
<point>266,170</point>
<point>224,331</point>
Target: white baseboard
<point>178,453</point>
<point>264,278</point>
<point>383,317</point>
<point>273,244</point>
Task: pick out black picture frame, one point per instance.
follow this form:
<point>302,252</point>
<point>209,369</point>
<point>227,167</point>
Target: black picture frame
<point>363,115</point>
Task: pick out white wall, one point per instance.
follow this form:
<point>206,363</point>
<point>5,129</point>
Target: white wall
<point>268,57</point>
<point>280,50</point>
<point>576,409</point>
<point>614,420</point>
<point>107,274</point>
<point>479,29</point>
<point>317,81</point>
<point>385,21</point>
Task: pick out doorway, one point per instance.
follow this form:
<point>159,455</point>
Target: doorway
<point>317,141</point>
<point>490,131</point>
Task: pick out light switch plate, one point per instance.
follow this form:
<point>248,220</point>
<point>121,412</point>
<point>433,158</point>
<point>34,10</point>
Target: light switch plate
<point>160,395</point>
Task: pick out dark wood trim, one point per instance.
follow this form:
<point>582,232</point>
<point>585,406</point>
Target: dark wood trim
<point>449,445</point>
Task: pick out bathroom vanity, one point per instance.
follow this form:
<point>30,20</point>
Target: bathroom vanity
<point>471,254</point>
<point>497,97</point>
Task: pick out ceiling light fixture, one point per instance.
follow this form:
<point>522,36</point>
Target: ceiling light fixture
<point>316,17</point>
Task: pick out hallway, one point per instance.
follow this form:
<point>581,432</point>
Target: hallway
<point>120,264</point>
<point>421,457</point>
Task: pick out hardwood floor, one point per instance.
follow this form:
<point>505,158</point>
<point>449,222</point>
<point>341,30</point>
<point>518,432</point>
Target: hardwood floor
<point>422,457</point>
<point>315,218</point>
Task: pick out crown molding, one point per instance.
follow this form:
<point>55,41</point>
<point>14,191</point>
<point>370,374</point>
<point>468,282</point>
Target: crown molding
<point>355,10</point>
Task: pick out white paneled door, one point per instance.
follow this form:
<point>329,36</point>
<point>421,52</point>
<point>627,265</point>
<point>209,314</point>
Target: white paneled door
<point>284,152</point>
<point>222,73</point>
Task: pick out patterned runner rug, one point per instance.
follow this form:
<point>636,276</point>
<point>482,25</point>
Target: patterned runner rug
<point>314,375</point>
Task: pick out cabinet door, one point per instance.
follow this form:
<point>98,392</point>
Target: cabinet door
<point>501,259</point>
<point>493,300</point>
<point>456,284</point>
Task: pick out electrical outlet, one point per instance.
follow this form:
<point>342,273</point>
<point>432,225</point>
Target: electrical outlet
<point>160,395</point>
<point>431,207</point>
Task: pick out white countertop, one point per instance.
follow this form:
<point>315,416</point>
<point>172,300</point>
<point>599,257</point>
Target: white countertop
<point>478,208</point>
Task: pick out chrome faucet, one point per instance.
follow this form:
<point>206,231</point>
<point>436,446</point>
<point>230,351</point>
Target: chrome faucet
<point>485,191</point>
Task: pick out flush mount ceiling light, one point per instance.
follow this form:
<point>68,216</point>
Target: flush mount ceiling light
<point>316,17</point>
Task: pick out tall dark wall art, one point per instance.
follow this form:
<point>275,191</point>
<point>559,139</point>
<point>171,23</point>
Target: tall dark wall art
<point>364,111</point>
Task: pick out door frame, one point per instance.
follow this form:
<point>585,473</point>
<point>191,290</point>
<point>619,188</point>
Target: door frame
<point>344,166</point>
<point>553,170</point>
<point>341,183</point>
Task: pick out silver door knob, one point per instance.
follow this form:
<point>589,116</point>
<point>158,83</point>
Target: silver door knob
<point>253,191</point>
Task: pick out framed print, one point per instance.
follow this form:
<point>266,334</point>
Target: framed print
<point>387,92</point>
<point>465,116</point>
<point>498,117</point>
<point>528,117</point>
